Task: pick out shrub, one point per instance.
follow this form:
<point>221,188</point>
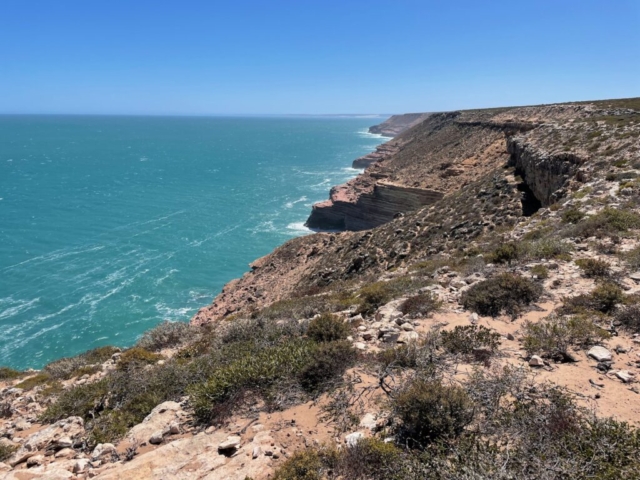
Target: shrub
<point>421,305</point>
<point>6,451</point>
<point>629,317</point>
<point>7,373</point>
<point>304,465</point>
<point>374,295</point>
<point>38,379</point>
<point>572,215</point>
<point>327,328</point>
<point>607,222</point>
<point>330,361</point>
<point>540,271</point>
<point>254,370</point>
<point>505,253</point>
<point>506,292</point>
<point>167,335</point>
<point>81,400</point>
<point>137,357</point>
<point>66,368</point>
<point>369,458</point>
<point>474,340</point>
<point>554,336</point>
<point>603,299</point>
<point>547,248</point>
<point>430,411</point>
<point>632,257</point>
<point>593,268</point>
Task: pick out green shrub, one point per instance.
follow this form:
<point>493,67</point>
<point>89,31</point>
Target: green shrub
<point>607,222</point>
<point>374,295</point>
<point>137,357</point>
<point>572,215</point>
<point>66,368</point>
<point>303,465</point>
<point>505,253</point>
<point>255,370</point>
<point>369,458</point>
<point>327,328</point>
<point>502,293</point>
<point>553,336</point>
<point>540,271</point>
<point>81,400</point>
<point>593,268</point>
<point>167,335</point>
<point>37,380</point>
<point>547,248</point>
<point>430,411</point>
<point>329,362</point>
<point>468,340</point>
<point>604,299</point>
<point>629,317</point>
<point>6,451</point>
<point>632,257</point>
<point>7,373</point>
<point>421,305</point>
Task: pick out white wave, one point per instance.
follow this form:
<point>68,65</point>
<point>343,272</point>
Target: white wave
<point>55,255</point>
<point>298,228</point>
<point>143,159</point>
<point>169,313</point>
<point>367,134</point>
<point>20,308</point>
<point>169,273</point>
<point>291,204</point>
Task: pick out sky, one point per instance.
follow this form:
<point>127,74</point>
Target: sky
<point>191,57</point>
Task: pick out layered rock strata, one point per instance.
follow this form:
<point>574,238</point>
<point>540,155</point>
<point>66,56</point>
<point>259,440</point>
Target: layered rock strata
<point>397,124</point>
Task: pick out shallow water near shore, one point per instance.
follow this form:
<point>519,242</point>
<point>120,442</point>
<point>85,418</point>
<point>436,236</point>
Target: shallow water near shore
<point>108,225</point>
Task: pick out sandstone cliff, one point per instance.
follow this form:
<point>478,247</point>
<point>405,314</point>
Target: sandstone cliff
<point>397,124</point>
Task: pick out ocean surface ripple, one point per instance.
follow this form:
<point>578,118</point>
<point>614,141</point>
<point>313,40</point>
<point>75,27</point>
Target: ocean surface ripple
<point>109,225</point>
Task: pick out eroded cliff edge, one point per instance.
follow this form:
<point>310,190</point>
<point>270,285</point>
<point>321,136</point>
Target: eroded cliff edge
<point>490,168</point>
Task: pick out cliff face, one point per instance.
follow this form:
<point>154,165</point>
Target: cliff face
<point>450,179</point>
<point>397,124</point>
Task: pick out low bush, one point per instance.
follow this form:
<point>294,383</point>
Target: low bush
<point>374,295</point>
<point>632,257</point>
<point>547,248</point>
<point>137,357</point>
<point>540,271</point>
<point>593,268</point>
<point>429,411</point>
<point>66,368</point>
<point>629,317</point>
<point>6,451</point>
<point>37,380</point>
<point>503,293</point>
<point>257,370</point>
<point>505,253</point>
<point>327,328</point>
<point>471,340</point>
<point>572,215</point>
<point>303,465</point>
<point>603,299</point>
<point>607,222</point>
<point>7,373</point>
<point>167,335</point>
<point>421,305</point>
<point>330,361</point>
<point>555,335</point>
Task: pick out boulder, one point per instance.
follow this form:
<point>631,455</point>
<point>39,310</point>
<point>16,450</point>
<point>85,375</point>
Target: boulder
<point>536,361</point>
<point>156,438</point>
<point>406,337</point>
<point>230,443</point>
<point>353,438</point>
<point>625,375</point>
<point>600,354</point>
<point>102,450</point>
<point>81,465</point>
<point>159,420</point>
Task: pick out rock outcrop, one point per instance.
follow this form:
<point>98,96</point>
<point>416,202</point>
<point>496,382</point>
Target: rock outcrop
<point>396,124</point>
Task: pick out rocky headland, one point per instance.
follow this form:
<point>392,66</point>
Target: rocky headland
<point>486,264</point>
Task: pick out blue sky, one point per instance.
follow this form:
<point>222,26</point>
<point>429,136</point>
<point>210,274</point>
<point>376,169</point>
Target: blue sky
<point>315,57</point>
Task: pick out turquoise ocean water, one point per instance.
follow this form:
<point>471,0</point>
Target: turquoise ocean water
<point>108,225</point>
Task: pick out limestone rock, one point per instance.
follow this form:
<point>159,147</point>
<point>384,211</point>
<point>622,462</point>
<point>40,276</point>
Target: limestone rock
<point>625,375</point>
<point>102,450</point>
<point>156,438</point>
<point>353,438</point>
<point>406,337</point>
<point>160,418</point>
<point>536,361</point>
<point>231,443</point>
<point>599,353</point>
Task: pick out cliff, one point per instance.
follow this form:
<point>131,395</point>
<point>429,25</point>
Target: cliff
<point>502,279</point>
<point>397,124</point>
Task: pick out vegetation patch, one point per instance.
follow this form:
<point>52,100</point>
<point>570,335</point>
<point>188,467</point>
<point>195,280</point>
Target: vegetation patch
<point>607,222</point>
<point>167,335</point>
<point>507,293</point>
<point>327,328</point>
<point>602,299</point>
<point>554,336</point>
<point>6,451</point>
<point>421,305</point>
<point>474,341</point>
<point>629,317</point>
<point>66,368</point>
<point>7,373</point>
<point>137,357</point>
<point>594,268</point>
<point>374,295</point>
<point>540,271</point>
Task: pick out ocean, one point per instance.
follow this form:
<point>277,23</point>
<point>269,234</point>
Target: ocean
<point>110,225</point>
